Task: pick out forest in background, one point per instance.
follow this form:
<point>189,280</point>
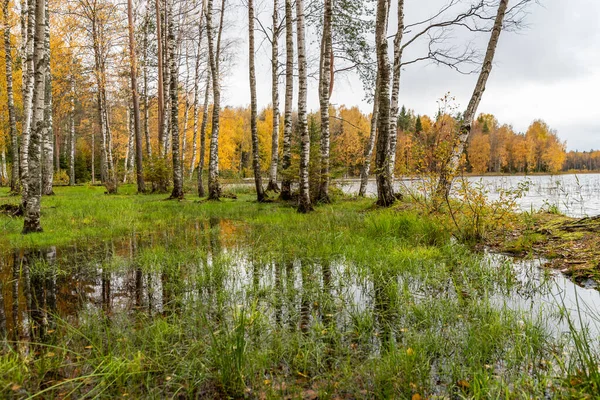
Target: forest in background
<point>494,147</point>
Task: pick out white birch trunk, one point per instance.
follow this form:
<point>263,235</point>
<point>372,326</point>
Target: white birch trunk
<point>274,100</point>
<point>48,133</point>
<point>12,124</point>
<point>448,171</point>
<point>72,133</point>
<point>324,93</point>
<point>28,83</point>
<point>304,202</point>
<point>394,108</point>
<point>34,192</point>
<point>385,192</point>
<point>366,169</point>
<point>177,192</point>
<point>203,137</point>
<point>286,161</point>
<point>214,188</point>
<point>260,195</point>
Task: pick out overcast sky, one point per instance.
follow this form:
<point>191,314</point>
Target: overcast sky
<point>549,71</point>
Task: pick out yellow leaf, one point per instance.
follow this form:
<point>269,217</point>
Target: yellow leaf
<point>410,352</point>
<point>463,384</point>
<point>416,396</point>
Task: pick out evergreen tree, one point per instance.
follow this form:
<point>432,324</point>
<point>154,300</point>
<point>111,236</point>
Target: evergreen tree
<point>486,128</point>
<point>418,126</point>
<point>404,120</point>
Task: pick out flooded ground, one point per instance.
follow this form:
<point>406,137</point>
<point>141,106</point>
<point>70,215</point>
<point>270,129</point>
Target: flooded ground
<point>574,195</point>
<point>268,303</point>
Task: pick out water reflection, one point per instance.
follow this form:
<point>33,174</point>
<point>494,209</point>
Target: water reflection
<point>203,271</point>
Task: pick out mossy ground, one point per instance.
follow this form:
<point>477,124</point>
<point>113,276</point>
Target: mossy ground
<point>571,245</point>
<point>258,301</point>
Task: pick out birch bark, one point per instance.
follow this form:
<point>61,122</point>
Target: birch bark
<point>304,202</point>
<point>286,183</point>
<point>260,195</point>
<point>177,192</point>
<point>396,88</point>
<point>366,169</point>
<point>34,192</point>
<point>447,172</point>
<point>385,192</point>
<point>324,95</point>
<point>48,132</point>
<point>12,124</point>
<point>272,186</point>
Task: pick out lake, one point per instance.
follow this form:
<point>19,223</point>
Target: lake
<point>576,195</point>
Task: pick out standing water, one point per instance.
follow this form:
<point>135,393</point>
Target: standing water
<point>573,195</point>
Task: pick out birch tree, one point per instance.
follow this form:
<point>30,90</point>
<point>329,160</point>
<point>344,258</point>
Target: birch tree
<point>368,154</point>
<point>196,96</point>
<point>324,94</point>
<point>385,190</point>
<point>12,123</point>
<point>304,201</point>
<point>286,161</point>
<point>272,186</point>
<point>260,195</point>
<point>203,128</point>
<point>447,172</point>
<point>72,130</point>
<point>141,187</point>
<point>28,14</point>
<point>214,188</point>
<point>47,135</point>
<point>34,192</point>
<point>177,192</point>
<point>396,87</point>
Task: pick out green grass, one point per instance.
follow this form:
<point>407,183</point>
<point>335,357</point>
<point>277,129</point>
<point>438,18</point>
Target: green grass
<point>240,299</point>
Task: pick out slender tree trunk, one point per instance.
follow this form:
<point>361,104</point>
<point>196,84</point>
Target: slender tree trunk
<point>57,145</point>
<point>177,192</point>
<point>286,162</point>
<point>129,156</point>
<point>166,81</point>
<point>146,111</point>
<point>34,192</point>
<point>12,124</point>
<point>195,104</point>
<point>48,133</point>
<point>186,113</point>
<point>385,192</point>
<point>139,167</point>
<point>396,88</point>
<point>72,134</point>
<point>3,167</point>
<point>304,202</point>
<point>160,85</point>
<point>447,172</point>
<point>324,93</point>
<point>203,137</point>
<point>93,158</point>
<point>111,163</point>
<point>275,100</point>
<point>366,168</point>
<point>28,83</point>
<point>260,195</point>
<point>214,188</point>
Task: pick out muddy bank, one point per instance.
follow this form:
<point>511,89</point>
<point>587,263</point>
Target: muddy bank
<point>571,245</point>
